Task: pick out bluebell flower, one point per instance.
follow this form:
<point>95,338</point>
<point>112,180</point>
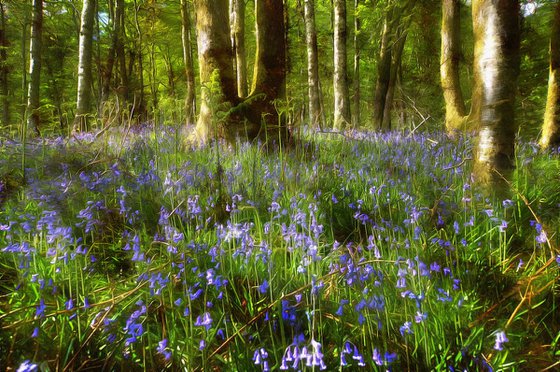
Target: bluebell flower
<point>500,340</point>
<point>204,321</point>
<point>406,328</point>
<point>162,349</point>
<point>35,333</point>
<point>27,366</point>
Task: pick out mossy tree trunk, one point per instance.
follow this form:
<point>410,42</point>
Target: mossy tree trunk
<point>186,39</point>
<point>496,68</point>
<point>455,110</point>
<point>341,95</point>
<point>215,58</point>
<point>551,127</point>
<point>238,42</point>
<point>313,84</point>
<point>35,51</point>
<point>4,69</point>
<point>85,76</point>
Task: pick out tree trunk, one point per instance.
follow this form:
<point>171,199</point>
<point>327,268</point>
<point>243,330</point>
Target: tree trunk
<point>123,87</point>
<point>4,67</point>
<point>383,71</point>
<point>455,110</point>
<point>551,127</point>
<point>215,64</point>
<point>341,96</point>
<point>238,43</point>
<point>33,101</point>
<point>396,58</point>
<point>107,71</point>
<point>357,51</point>
<point>139,109</point>
<point>190,100</point>
<point>312,65</point>
<point>269,78</point>
<point>83,110</point>
<point>496,67</point>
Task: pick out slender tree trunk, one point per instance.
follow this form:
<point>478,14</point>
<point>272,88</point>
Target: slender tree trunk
<point>123,87</point>
<point>107,72</point>
<point>397,51</point>
<point>455,110</point>
<point>383,71</point>
<point>215,58</point>
<point>341,95</point>
<point>4,67</point>
<point>24,54</point>
<point>83,110</point>
<point>139,101</point>
<point>190,100</point>
<point>551,127</point>
<point>33,101</point>
<point>312,65</point>
<point>496,61</point>
<point>238,42</point>
<point>357,52</point>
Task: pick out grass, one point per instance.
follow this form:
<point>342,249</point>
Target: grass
<point>371,251</point>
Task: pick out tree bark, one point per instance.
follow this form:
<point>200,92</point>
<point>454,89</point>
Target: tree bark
<point>33,101</point>
<point>341,95</point>
<point>215,64</point>
<point>455,110</point>
<point>4,67</point>
<point>186,38</point>
<point>396,58</point>
<point>383,71</point>
<point>551,127</point>
<point>269,77</point>
<point>356,86</point>
<point>238,43</point>
<point>496,67</point>
<point>312,65</point>
<point>83,104</point>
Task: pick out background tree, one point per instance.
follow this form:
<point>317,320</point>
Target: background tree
<point>314,92</point>
<point>83,103</point>
<point>186,38</point>
<point>455,110</point>
<point>35,51</point>
<point>496,67</point>
<point>4,68</point>
<point>341,96</point>
<point>551,127</point>
<point>238,41</point>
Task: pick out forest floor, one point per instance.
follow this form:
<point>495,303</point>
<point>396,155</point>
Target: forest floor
<point>377,251</point>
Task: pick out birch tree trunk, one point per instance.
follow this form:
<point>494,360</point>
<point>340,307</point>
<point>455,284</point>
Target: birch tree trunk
<point>455,110</point>
<point>496,67</point>
<point>341,97</point>
<point>186,38</point>
<point>35,51</point>
<point>238,42</point>
<point>83,103</point>
<point>551,127</point>
<point>312,65</point>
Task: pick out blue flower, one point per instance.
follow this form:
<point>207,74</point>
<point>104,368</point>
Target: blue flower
<point>162,349</point>
<point>27,366</point>
<point>500,340</point>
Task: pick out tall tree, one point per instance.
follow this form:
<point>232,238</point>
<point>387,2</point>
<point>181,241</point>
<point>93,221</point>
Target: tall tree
<point>4,66</point>
<point>314,92</point>
<point>356,75</point>
<point>551,127</point>
<point>36,45</point>
<point>187,40</point>
<point>455,110</point>
<point>238,43</point>
<point>215,57</point>
<point>496,26</point>
<point>85,75</point>
<point>341,96</point>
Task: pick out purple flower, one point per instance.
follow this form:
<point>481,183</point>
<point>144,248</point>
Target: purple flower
<point>204,321</point>
<point>500,340</point>
<point>27,366</point>
<point>406,328</point>
<point>162,349</point>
